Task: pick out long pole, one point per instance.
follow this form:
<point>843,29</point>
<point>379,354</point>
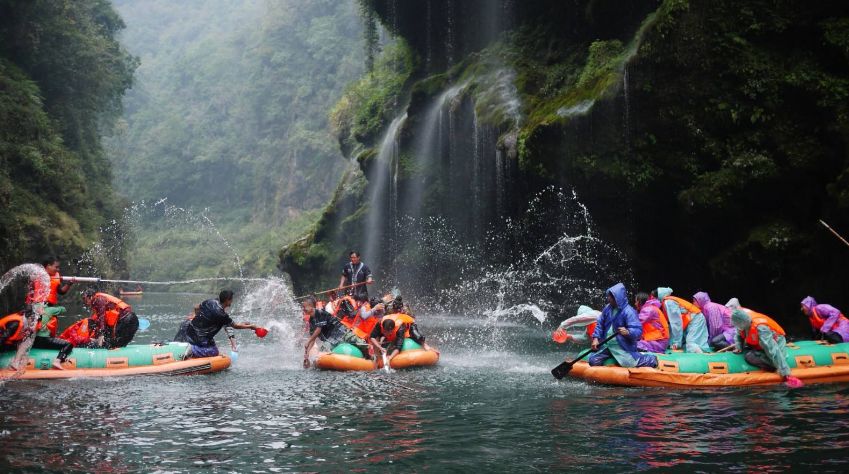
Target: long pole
<point>834,232</point>
<point>332,290</point>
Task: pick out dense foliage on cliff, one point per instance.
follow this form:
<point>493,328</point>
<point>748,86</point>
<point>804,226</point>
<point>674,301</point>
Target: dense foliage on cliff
<point>230,114</point>
<point>62,76</point>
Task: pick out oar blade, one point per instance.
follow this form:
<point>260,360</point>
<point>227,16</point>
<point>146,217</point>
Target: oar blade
<point>562,370</point>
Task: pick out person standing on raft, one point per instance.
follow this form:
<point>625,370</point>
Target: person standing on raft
<point>718,318</point>
<point>764,344</point>
<point>619,316</point>
<point>115,322</point>
<point>210,317</point>
<point>827,322</point>
<point>687,326</point>
<point>326,327</point>
<point>655,328</point>
<point>354,272</point>
<point>41,307</point>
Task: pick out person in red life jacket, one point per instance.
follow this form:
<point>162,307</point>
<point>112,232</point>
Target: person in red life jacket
<point>388,336</point>
<point>116,323</point>
<point>355,271</point>
<point>655,328</point>
<point>827,322</point>
<point>13,331</point>
<point>328,328</point>
<point>210,318</point>
<point>49,321</point>
<point>764,344</point>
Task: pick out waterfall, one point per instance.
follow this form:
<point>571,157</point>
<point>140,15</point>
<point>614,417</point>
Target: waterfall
<point>383,184</point>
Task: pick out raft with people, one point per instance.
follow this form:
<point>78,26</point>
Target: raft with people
<point>346,357</point>
<point>173,358</point>
<point>810,361</point>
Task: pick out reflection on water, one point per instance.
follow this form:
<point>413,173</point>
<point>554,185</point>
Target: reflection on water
<point>487,407</point>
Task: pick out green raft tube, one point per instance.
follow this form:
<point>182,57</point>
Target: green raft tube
<point>135,359</point>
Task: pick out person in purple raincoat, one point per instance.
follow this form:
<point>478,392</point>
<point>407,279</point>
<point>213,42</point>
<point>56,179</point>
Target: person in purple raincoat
<point>720,329</point>
<point>827,322</point>
<point>621,318</point>
<point>655,336</point>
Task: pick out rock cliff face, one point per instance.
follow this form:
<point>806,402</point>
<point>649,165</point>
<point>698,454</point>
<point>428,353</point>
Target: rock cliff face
<point>704,138</point>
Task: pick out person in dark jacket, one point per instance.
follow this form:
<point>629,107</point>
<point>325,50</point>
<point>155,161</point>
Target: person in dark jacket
<point>210,318</point>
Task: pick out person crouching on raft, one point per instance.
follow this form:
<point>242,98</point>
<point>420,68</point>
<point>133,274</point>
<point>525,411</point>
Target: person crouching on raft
<point>655,328</point>
<point>827,322</point>
<point>116,323</point>
<point>210,317</point>
<point>619,316</point>
<point>388,336</point>
<point>718,317</point>
<point>13,331</point>
<point>764,344</point>
<point>328,328</point>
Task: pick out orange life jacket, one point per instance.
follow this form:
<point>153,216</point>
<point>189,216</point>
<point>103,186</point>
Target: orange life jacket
<point>363,328</point>
<point>751,335</point>
<point>55,283</point>
<point>18,335</point>
<point>113,309</point>
<point>688,309</point>
<point>651,332</point>
<point>38,293</point>
<point>78,333</point>
<point>817,321</point>
<point>347,320</point>
<point>399,319</point>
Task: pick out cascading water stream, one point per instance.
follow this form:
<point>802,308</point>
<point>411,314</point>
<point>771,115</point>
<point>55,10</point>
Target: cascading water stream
<point>381,176</point>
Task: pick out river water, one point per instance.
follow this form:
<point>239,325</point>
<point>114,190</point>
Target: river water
<point>490,405</point>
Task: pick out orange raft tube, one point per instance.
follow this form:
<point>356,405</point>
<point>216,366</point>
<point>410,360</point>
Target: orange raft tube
<point>168,359</point>
<point>345,357</point>
<point>812,362</point>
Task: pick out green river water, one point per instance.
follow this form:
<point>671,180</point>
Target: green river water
<point>489,406</point>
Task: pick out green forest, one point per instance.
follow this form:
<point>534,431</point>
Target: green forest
<point>63,75</point>
<point>228,119</point>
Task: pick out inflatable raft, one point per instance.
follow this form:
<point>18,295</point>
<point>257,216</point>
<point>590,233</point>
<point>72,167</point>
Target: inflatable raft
<point>345,357</point>
<point>811,361</point>
<point>135,359</point>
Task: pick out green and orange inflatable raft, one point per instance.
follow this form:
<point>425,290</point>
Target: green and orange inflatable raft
<point>811,361</point>
<point>134,359</point>
<point>346,357</point>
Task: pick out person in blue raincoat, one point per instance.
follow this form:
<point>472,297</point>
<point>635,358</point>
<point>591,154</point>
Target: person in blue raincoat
<point>621,317</point>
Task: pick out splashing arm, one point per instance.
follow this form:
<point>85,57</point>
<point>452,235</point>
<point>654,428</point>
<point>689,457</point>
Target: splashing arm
<point>308,346</point>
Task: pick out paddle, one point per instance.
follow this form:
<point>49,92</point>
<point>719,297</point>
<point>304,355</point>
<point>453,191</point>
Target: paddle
<point>726,349</point>
<point>834,232</point>
<point>333,289</point>
<point>144,324</point>
<point>561,370</point>
<point>385,362</point>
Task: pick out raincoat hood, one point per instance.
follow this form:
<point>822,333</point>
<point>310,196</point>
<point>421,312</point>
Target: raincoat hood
<point>619,294</point>
<point>701,298</point>
<point>733,303</point>
<point>663,292</point>
<point>809,302</point>
<point>741,319</point>
<point>584,310</point>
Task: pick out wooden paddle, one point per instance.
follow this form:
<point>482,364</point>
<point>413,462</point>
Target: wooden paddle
<point>566,366</point>
<point>333,289</point>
